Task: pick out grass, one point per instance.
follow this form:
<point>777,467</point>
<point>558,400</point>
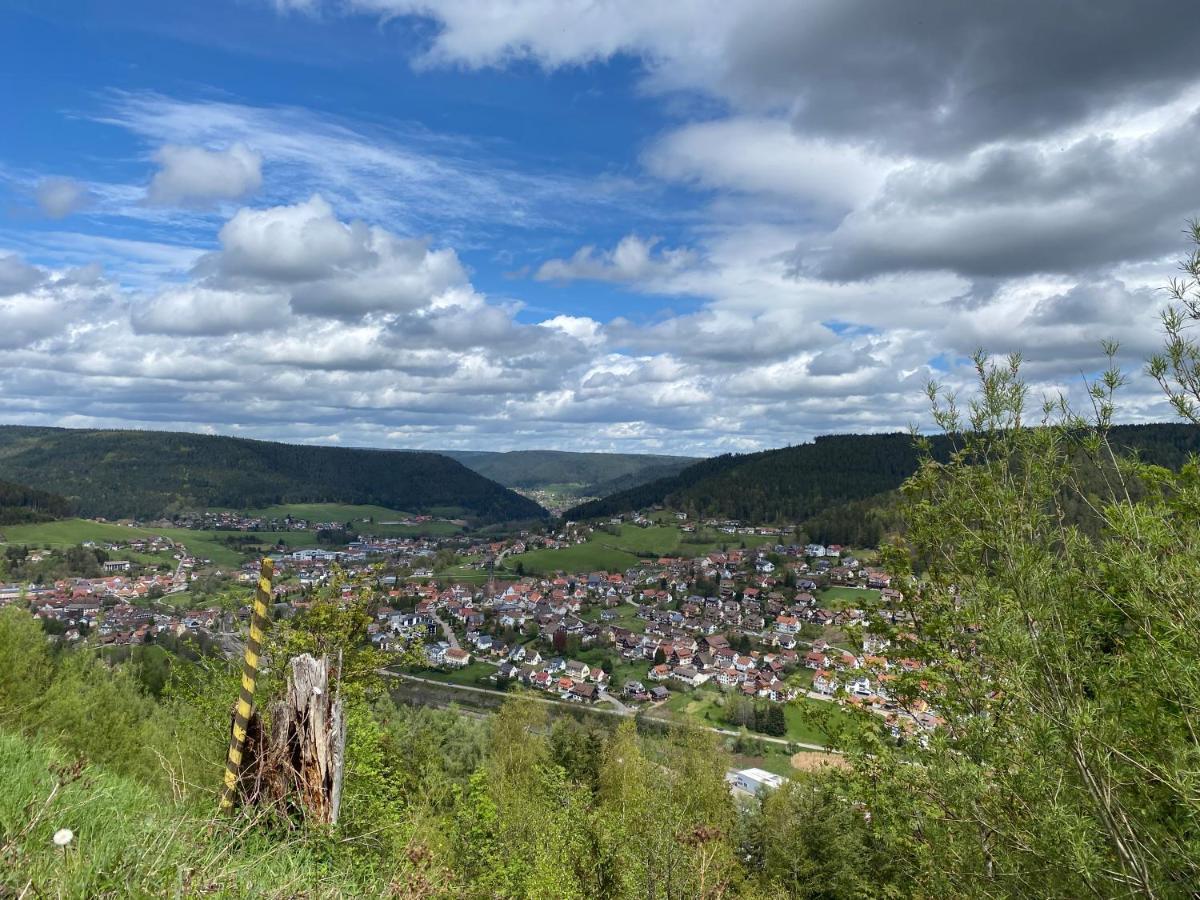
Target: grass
<point>474,675</point>
<point>582,558</point>
<point>629,547</point>
<point>330,512</point>
<point>70,532</point>
<point>803,717</point>
<point>131,841</point>
<point>844,597</point>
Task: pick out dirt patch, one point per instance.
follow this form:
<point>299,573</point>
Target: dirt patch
<point>811,761</point>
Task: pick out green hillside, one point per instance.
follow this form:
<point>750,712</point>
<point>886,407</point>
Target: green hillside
<point>150,473</point>
<point>593,472</point>
<point>836,480</point>
<point>21,504</point>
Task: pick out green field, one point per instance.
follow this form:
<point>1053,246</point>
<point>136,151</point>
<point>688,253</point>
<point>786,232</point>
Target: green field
<point>365,518</point>
<point>845,597</point>
<point>617,552</point>
<point>589,557</point>
<point>474,675</point>
<point>69,532</point>
<point>804,716</point>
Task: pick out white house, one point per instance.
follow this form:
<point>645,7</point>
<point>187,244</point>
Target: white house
<point>754,781</point>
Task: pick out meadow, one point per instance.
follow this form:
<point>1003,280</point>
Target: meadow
<point>616,552</point>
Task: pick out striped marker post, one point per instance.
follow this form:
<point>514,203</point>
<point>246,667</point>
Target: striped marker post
<point>259,621</point>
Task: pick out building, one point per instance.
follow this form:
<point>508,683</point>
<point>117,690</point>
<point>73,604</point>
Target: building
<point>753,781</point>
<point>456,657</point>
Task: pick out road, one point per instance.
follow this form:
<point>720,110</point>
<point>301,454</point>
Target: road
<point>451,638</point>
<point>623,712</point>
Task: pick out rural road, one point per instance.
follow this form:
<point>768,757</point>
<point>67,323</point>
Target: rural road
<point>605,712</point>
<point>451,638</point>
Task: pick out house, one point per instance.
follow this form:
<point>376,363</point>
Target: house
<point>754,781</point>
<point>456,657</point>
<point>658,692</point>
<point>584,693</point>
<point>659,673</point>
<point>689,676</point>
<point>576,669</point>
<point>635,690</point>
<point>815,659</point>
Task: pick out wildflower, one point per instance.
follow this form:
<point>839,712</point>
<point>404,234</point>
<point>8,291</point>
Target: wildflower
<point>63,836</point>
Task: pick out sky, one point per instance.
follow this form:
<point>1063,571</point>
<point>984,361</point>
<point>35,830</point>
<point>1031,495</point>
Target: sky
<point>692,227</point>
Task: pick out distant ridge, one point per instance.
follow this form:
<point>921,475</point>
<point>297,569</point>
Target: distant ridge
<point>794,484</point>
<point>597,474</point>
<point>146,474</point>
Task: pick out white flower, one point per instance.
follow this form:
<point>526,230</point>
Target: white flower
<point>63,836</point>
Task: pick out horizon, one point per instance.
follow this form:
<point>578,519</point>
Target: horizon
<point>692,230</point>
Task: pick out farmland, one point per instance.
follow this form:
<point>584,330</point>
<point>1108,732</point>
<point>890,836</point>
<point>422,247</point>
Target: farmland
<point>616,552</point>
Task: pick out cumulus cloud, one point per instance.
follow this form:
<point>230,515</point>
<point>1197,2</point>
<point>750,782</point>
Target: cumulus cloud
<point>60,197</point>
<point>633,259</point>
<point>16,275</point>
<point>196,310</point>
<point>327,266</point>
<point>853,198</point>
<point>198,176</point>
<point>766,156</point>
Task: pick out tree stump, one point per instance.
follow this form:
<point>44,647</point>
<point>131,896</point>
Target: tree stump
<point>303,760</point>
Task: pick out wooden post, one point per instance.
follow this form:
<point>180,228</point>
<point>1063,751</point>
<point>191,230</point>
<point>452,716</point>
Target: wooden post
<point>260,620</point>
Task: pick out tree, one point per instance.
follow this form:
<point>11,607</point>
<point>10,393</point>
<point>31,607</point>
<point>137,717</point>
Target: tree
<point>1059,659</point>
<point>660,656</point>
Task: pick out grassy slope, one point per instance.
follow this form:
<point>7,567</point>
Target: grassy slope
<point>68,532</point>
<point>604,551</point>
<point>130,841</point>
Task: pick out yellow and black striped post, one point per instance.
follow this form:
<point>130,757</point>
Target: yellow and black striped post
<point>259,620</point>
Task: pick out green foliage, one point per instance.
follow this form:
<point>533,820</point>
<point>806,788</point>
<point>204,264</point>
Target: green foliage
<point>1061,661</point>
<point>152,473</point>
<point>25,665</point>
<point>20,504</point>
<point>842,488</point>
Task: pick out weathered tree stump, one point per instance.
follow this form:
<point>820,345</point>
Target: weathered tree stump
<point>301,765</point>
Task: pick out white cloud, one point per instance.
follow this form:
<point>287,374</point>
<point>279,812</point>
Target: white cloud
<point>766,156</point>
<point>204,311</point>
<point>16,275</point>
<point>633,259</point>
<point>197,176</point>
<point>60,197</point>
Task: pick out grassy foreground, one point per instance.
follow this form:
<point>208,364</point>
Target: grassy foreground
<point>127,842</point>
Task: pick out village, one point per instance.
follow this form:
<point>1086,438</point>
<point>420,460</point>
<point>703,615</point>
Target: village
<point>760,623</point>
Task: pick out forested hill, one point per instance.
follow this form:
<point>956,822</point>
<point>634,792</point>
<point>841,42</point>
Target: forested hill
<point>22,504</point>
<point>595,473</point>
<point>795,484</point>
<point>150,473</point>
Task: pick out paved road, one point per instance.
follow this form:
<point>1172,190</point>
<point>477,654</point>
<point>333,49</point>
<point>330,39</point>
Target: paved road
<point>606,712</point>
<point>621,707</point>
<point>451,638</point>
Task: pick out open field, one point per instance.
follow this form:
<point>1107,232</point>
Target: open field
<point>632,544</point>
<point>69,532</point>
<point>364,518</point>
<point>330,512</point>
<point>475,675</point>
<point>803,716</point>
<point>589,557</point>
<point>845,597</point>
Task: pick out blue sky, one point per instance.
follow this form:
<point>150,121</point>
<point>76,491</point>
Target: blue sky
<point>694,227</point>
